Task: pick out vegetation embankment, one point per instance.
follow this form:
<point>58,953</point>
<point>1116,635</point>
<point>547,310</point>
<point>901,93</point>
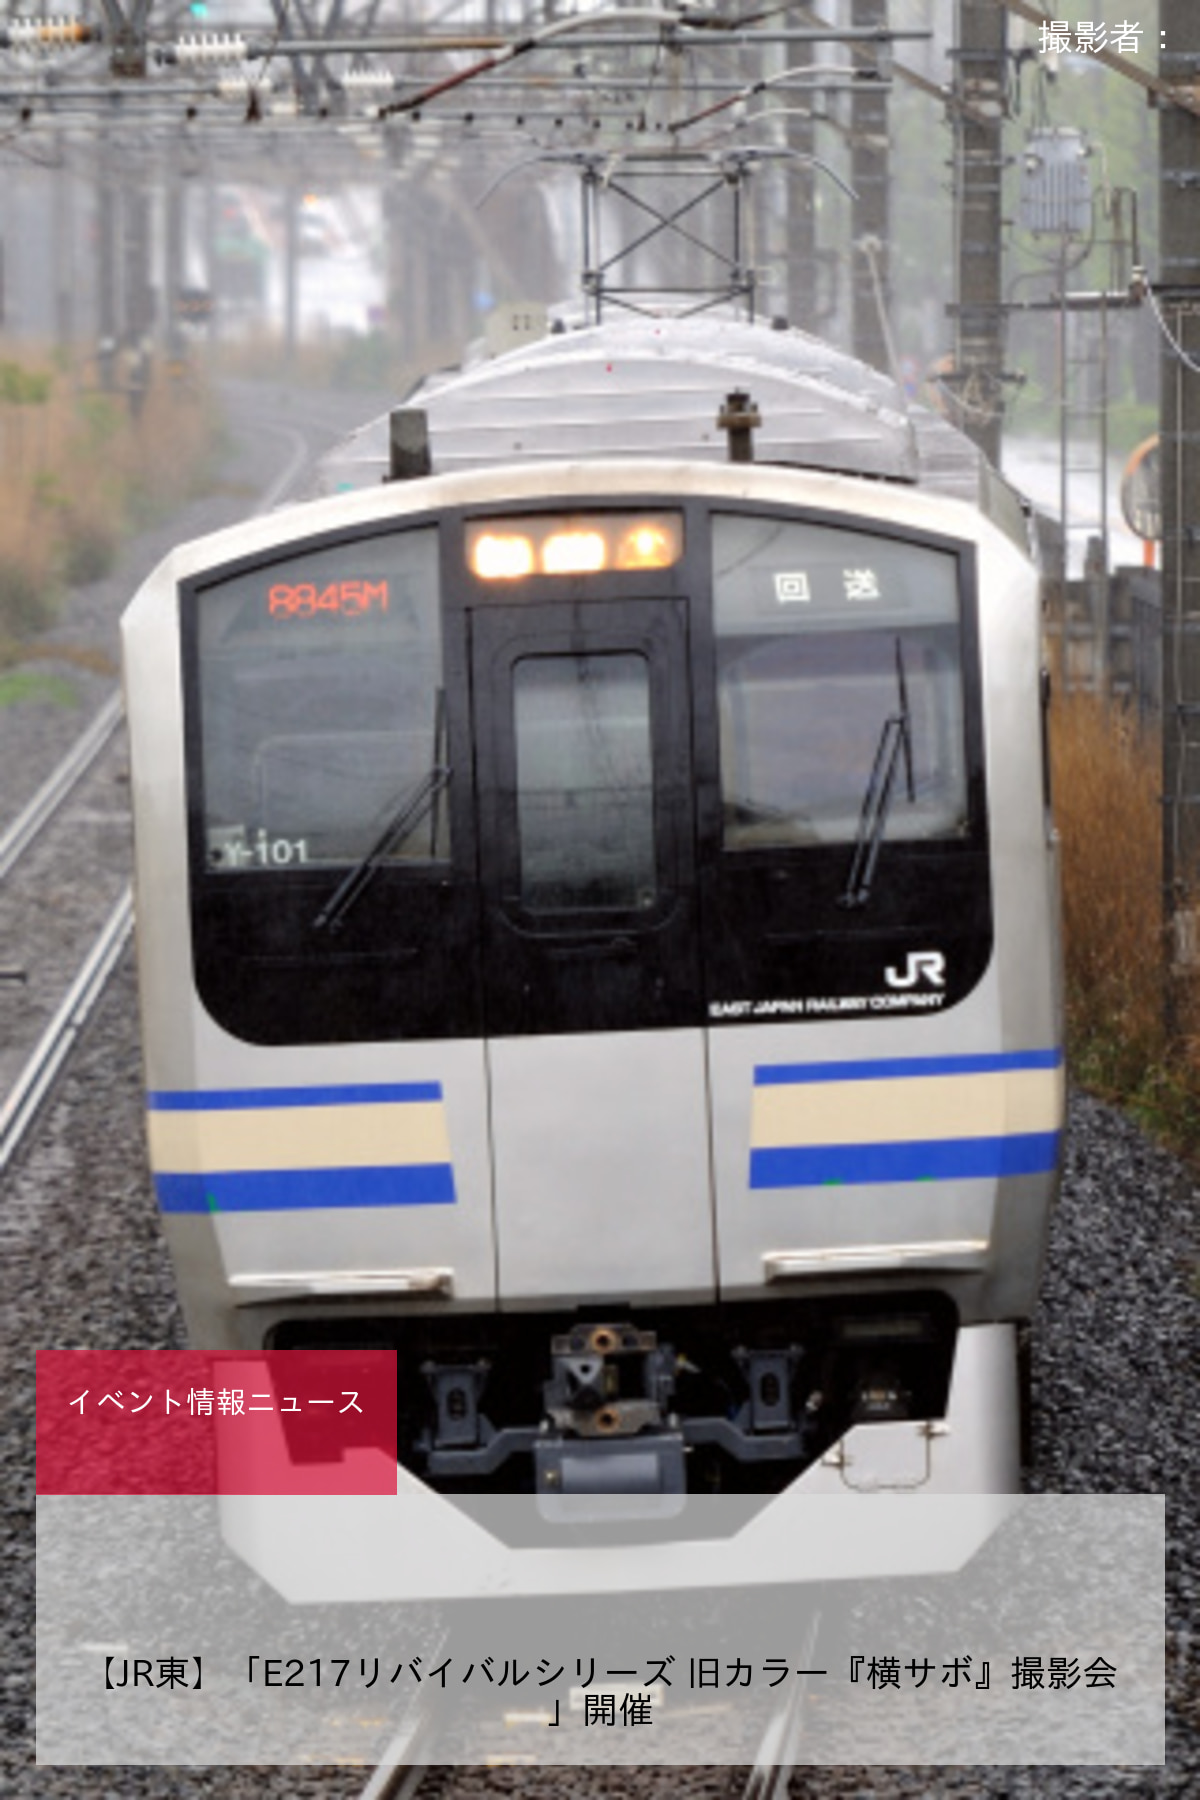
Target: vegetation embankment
<point>1107,782</point>
<point>79,468</point>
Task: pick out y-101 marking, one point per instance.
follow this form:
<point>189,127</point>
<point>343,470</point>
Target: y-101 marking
<point>264,853</point>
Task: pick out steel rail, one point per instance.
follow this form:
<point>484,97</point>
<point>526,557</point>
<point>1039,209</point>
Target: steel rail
<point>404,1765</point>
<point>779,1750</point>
<point>61,781</point>
<point>772,1771</point>
<point>58,1039</point>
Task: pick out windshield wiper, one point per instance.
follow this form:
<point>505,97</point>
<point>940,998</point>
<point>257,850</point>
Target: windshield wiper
<point>895,740</point>
<point>413,808</point>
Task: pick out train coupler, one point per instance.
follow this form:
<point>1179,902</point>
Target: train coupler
<point>609,1381</point>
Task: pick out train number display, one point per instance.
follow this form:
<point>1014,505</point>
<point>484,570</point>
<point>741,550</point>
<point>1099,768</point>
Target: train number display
<point>346,599</point>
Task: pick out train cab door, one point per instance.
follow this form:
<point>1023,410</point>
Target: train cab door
<point>590,951</point>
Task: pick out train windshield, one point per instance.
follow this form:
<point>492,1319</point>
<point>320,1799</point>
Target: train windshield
<point>320,706</point>
<point>585,769</point>
<point>812,624</point>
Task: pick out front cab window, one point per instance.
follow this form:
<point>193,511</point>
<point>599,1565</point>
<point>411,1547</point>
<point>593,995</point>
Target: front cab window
<point>823,636</point>
<point>320,707</point>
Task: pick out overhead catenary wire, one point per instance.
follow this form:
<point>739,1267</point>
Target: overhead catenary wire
<point>509,51</point>
<point>810,73</point>
<point>665,28</point>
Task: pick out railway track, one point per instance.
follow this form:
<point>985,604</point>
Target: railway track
<point>51,897</point>
<point>64,884</point>
<point>52,1049</point>
<point>770,1777</point>
<point>403,1771</point>
<point>33,818</point>
<point>407,1770</point>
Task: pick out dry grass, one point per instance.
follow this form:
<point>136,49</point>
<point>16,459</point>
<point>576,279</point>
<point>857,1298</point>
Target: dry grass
<point>77,656</point>
<point>1107,783</point>
<point>26,554</point>
<point>77,469</point>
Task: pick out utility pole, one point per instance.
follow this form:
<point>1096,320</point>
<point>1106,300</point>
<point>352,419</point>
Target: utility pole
<point>802,274</point>
<point>62,197</point>
<point>1177,304</point>
<point>107,214</point>
<point>208,228</point>
<point>397,242</point>
<point>175,203</point>
<point>293,195</point>
<point>138,287</point>
<point>980,83</point>
<point>869,173</point>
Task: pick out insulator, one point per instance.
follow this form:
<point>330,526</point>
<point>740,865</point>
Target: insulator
<point>45,34</point>
<point>368,81</point>
<point>210,47</point>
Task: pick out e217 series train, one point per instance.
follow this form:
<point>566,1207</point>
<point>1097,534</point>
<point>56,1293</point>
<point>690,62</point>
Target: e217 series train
<point>598,939</point>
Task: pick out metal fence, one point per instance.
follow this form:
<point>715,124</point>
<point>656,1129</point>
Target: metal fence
<point>1124,608</point>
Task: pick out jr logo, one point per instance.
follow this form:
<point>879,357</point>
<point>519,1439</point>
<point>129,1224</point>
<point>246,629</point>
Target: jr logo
<point>922,965</point>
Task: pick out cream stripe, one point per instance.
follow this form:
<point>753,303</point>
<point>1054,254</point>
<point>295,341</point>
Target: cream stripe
<point>778,1265</point>
<point>299,1137</point>
<point>908,1109</point>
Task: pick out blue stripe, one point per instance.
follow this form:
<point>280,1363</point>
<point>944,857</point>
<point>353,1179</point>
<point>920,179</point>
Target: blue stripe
<point>251,1099</point>
<point>287,1190</point>
<point>939,1159</point>
<point>999,1062</point>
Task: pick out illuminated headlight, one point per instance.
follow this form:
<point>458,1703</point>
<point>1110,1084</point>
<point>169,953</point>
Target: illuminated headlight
<point>496,557</point>
<point>650,544</point>
<point>580,544</point>
<point>574,553</point>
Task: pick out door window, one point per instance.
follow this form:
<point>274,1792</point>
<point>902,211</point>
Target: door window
<point>585,796</point>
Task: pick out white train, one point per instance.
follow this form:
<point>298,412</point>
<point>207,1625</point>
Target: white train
<point>598,935</point>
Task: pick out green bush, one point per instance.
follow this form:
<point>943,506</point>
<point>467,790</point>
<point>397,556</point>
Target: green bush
<point>26,602</point>
<point>24,387</point>
<point>35,684</point>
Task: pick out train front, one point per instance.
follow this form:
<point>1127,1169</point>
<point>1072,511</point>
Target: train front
<point>597,935</point>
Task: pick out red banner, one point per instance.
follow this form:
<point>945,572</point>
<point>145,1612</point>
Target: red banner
<point>194,1422</point>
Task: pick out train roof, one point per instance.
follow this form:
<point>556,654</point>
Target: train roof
<point>652,387</point>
